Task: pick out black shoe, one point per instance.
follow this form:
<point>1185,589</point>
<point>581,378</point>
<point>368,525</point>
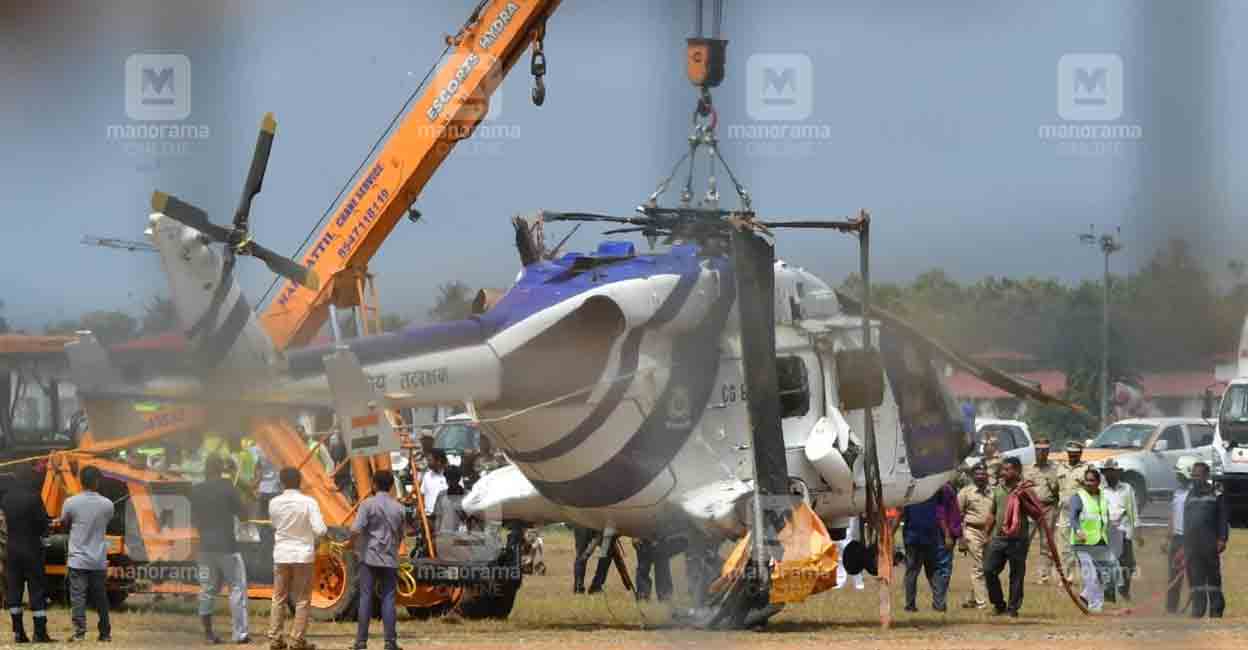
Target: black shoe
<point>78,638</point>
<point>41,631</point>
<point>19,629</point>
<point>104,638</point>
<point>998,612</point>
<point>1012,613</point>
<point>911,608</point>
<point>940,608</point>
<point>393,645</point>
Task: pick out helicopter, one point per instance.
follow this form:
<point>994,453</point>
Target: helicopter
<point>700,393</point>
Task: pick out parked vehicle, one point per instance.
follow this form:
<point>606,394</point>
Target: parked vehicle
<point>1013,439</point>
<point>1148,448</point>
<point>1230,448</point>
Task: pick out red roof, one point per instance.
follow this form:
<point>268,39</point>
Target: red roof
<point>966,386</point>
<point>25,344</point>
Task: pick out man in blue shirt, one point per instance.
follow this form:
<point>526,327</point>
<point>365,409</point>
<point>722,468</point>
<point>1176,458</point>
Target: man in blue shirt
<point>375,535</point>
<point>925,540</point>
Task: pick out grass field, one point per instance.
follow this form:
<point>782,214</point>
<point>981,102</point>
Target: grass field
<point>547,615</point>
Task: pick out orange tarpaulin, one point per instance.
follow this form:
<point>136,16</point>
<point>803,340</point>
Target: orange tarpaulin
<point>809,564</point>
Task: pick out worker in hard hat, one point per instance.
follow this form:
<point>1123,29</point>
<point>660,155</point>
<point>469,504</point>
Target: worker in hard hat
<point>1173,546</point>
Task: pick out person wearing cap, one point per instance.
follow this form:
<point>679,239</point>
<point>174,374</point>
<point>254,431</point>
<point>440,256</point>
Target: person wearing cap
<point>1206,531</point>
<point>978,509</point>
<point>1173,545</point>
<point>1048,489</point>
<point>1069,484</point>
<point>1124,516</point>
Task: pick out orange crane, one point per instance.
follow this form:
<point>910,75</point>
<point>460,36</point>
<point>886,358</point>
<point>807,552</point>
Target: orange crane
<point>476,60</point>
<point>478,57</point>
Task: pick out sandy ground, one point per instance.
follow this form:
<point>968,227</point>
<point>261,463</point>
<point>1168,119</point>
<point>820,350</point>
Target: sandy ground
<point>547,616</point>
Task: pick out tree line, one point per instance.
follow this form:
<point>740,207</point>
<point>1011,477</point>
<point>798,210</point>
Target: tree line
<point>1173,313</point>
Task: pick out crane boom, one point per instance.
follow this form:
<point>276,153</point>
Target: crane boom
<point>479,56</point>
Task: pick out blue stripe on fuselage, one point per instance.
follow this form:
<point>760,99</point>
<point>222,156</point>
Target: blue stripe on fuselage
<point>542,285</point>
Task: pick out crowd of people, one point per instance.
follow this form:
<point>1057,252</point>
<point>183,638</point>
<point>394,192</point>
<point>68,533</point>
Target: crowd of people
<point>1094,513</point>
<point>235,483</point>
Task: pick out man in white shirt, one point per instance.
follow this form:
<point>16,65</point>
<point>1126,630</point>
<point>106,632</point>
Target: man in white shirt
<point>297,522</point>
<point>1174,536</point>
<point>433,482</point>
<point>1124,516</point>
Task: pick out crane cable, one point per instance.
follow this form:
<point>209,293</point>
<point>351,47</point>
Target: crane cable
<point>373,149</point>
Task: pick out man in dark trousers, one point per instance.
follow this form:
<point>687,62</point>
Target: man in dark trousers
<point>652,555</point>
<point>1205,533</point>
<point>27,525</point>
<point>215,505</point>
<point>1006,549</point>
<point>582,537</point>
<point>375,536</point>
<point>87,515</point>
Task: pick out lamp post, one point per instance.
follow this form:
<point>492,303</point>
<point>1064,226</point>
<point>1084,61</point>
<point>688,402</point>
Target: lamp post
<point>1109,244</point>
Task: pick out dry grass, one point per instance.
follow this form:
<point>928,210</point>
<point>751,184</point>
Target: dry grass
<point>548,616</point>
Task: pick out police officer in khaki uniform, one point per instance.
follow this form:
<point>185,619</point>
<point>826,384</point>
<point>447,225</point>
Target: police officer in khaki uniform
<point>1069,484</point>
<point>1047,479</point>
<point>992,459</point>
<point>978,516</point>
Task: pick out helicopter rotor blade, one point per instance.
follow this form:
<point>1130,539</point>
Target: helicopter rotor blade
<point>985,373</point>
<point>841,226</point>
<point>189,215</point>
<point>255,175</point>
<point>589,216</point>
<point>754,263</point>
<point>283,266</point>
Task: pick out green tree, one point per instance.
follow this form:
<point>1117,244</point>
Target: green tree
<point>4,324</point>
<point>454,302</point>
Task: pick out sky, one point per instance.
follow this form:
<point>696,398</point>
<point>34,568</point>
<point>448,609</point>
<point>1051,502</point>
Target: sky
<point>938,120</point>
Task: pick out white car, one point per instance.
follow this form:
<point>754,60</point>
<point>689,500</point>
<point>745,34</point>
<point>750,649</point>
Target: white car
<point>1147,448</point>
<point>1013,439</point>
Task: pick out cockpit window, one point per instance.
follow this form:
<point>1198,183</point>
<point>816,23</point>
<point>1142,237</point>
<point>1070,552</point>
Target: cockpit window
<point>457,436</point>
<point>794,387</point>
